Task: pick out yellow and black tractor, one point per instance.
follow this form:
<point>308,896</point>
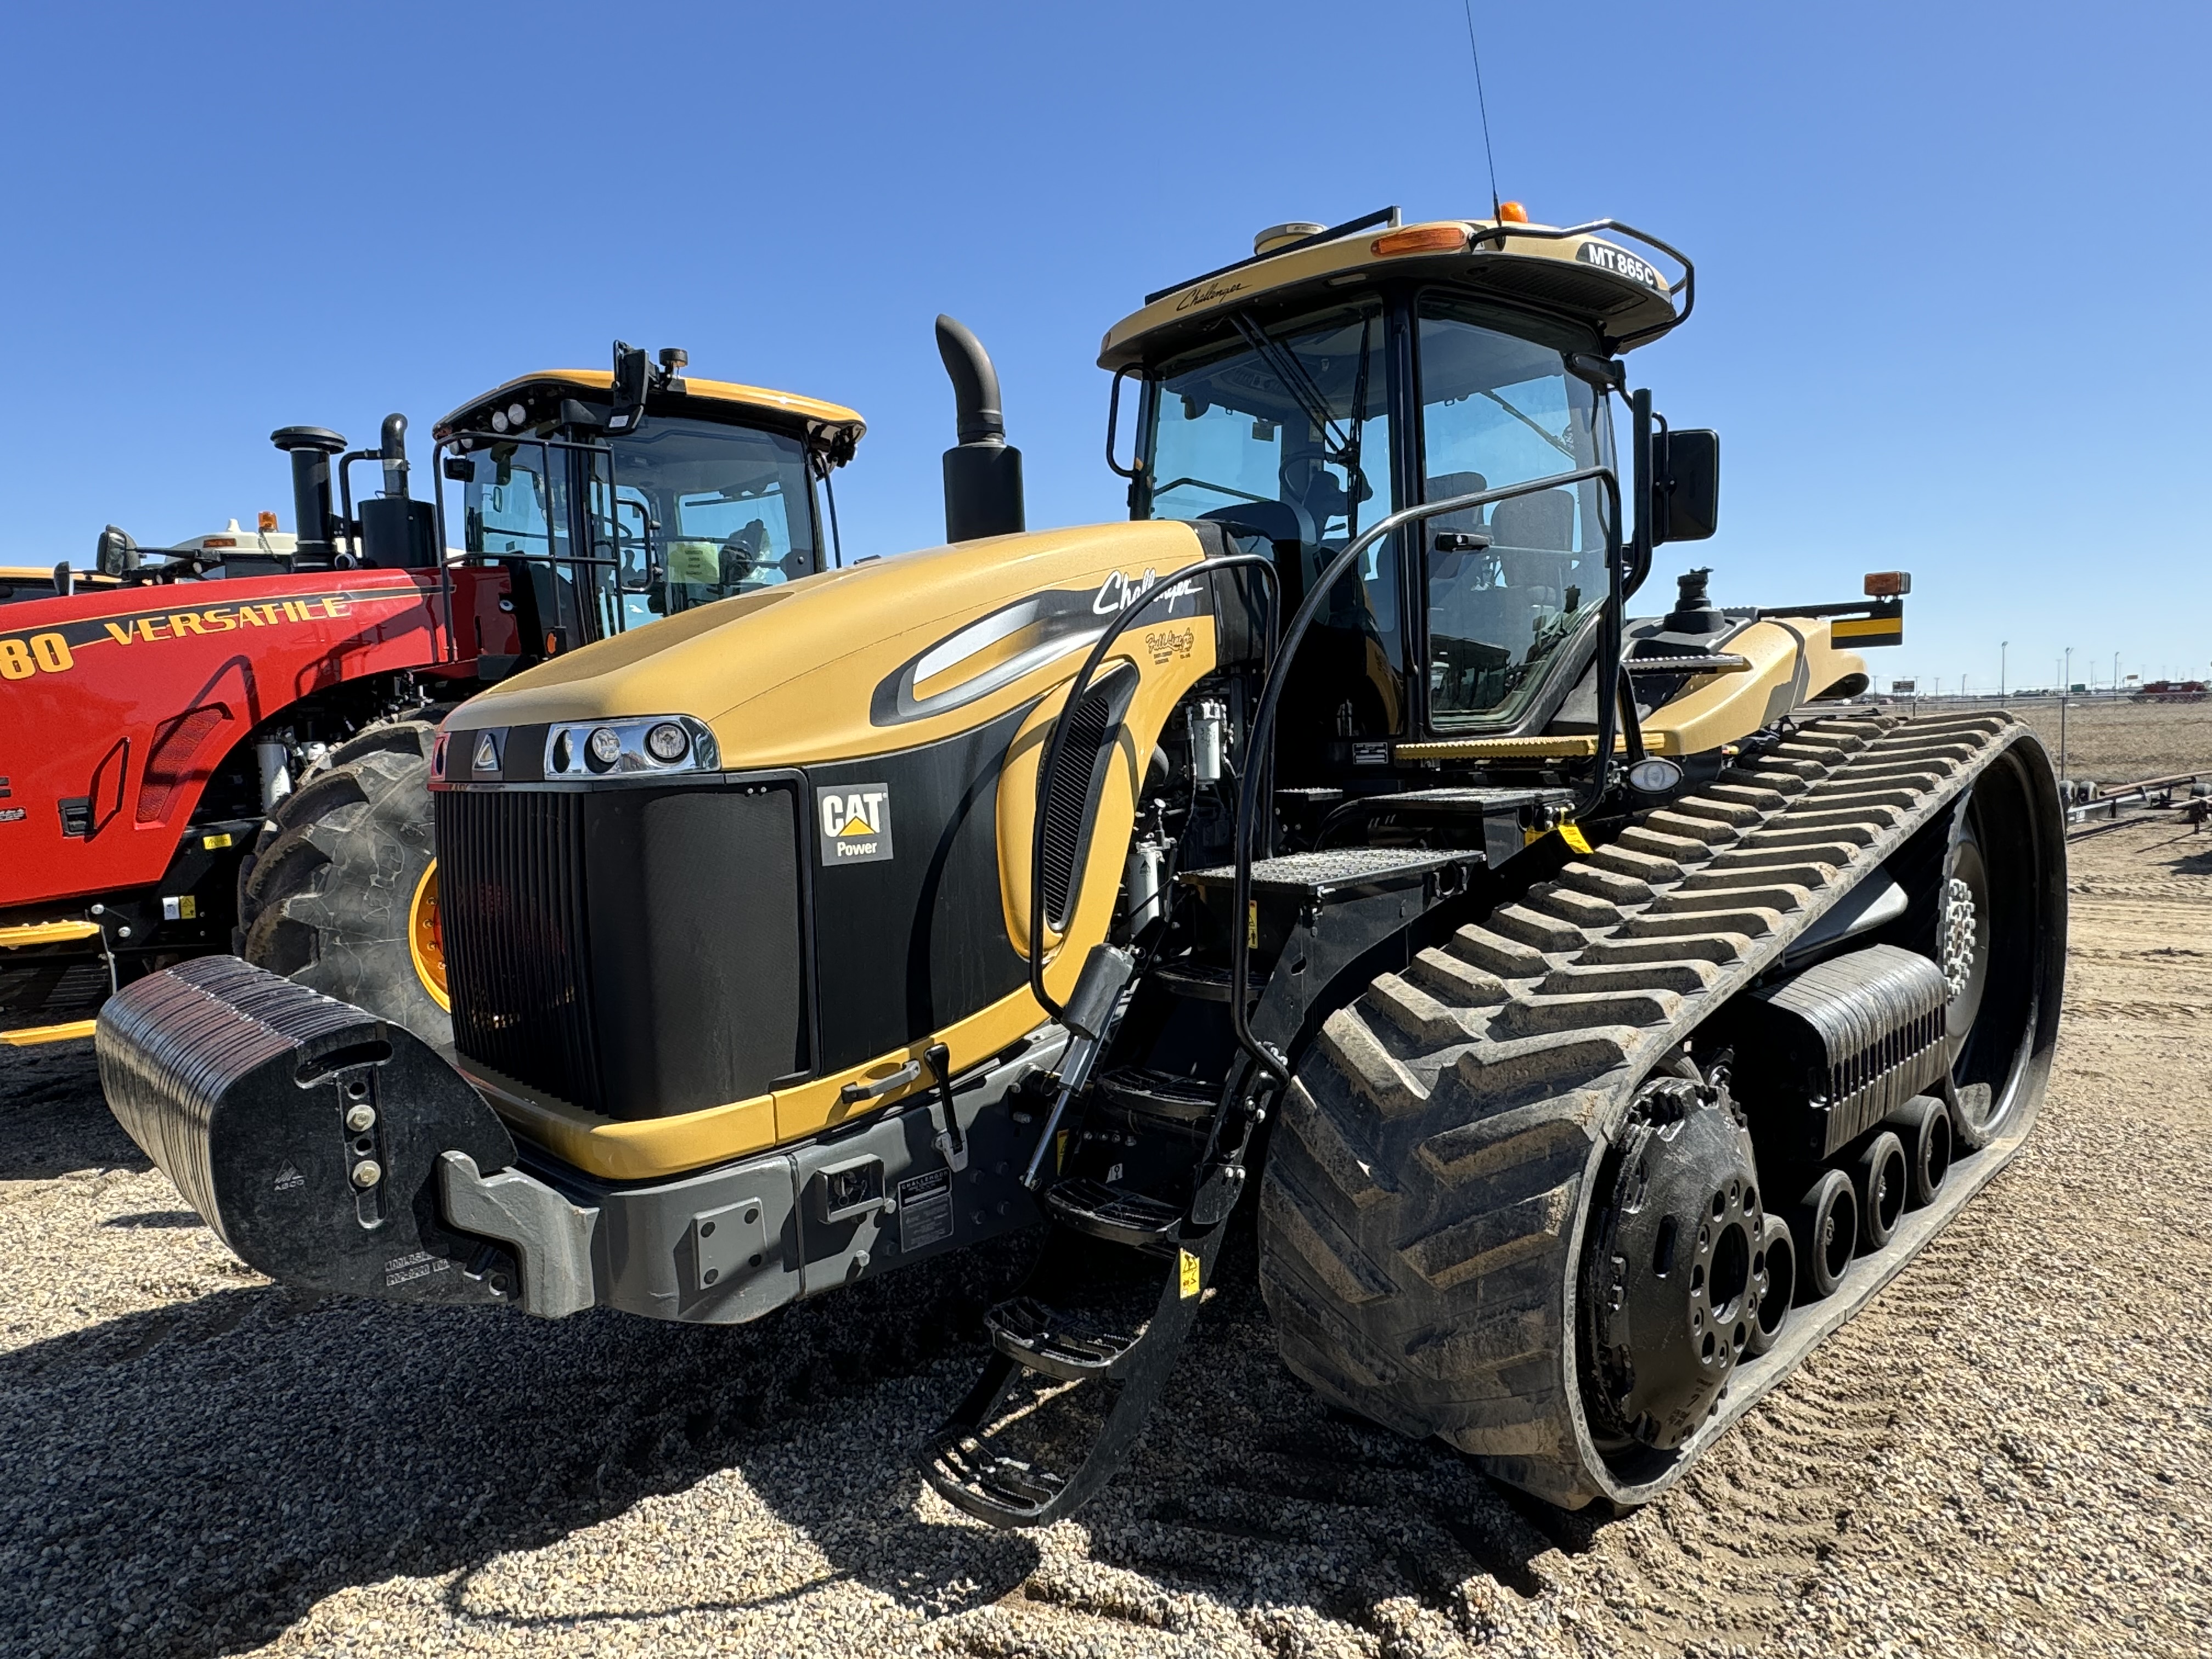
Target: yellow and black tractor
<point>593,502</point>
<point>1590,1012</point>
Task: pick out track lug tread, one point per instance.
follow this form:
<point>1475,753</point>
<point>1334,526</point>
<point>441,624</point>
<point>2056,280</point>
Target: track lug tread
<point>1545,1014</point>
<point>1633,865</point>
<point>1442,974</point>
<point>1711,831</point>
<point>1535,929</point>
<point>1508,958</point>
<point>1490,1239</point>
<point>1369,1067</point>
<point>1329,1144</point>
<point>1415,1012</point>
<point>1528,1135</point>
<point>1723,950</point>
<point>1573,906</point>
<point>1736,814</point>
<point>1607,885</point>
<point>1686,977</point>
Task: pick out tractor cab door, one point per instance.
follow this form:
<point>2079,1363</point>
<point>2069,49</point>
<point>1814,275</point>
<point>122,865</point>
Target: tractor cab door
<point>1504,591</point>
<point>1282,428</point>
<point>523,510</point>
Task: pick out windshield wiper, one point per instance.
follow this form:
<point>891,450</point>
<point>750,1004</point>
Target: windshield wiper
<point>1337,446</point>
<point>1559,443</point>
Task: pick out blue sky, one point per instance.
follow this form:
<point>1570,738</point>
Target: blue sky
<point>1952,260</point>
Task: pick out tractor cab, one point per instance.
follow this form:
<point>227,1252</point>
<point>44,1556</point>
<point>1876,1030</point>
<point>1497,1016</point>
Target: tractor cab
<point>1342,375</point>
<point>616,498</point>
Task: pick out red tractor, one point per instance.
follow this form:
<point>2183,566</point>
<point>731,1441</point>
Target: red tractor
<point>225,745</point>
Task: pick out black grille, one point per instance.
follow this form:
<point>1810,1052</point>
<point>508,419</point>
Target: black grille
<point>637,952</point>
<point>518,942</point>
<point>1069,808</point>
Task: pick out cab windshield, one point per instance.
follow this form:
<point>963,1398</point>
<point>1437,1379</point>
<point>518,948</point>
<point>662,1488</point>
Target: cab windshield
<point>730,510</point>
<point>693,511</point>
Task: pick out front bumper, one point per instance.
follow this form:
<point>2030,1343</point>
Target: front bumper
<point>249,1091</point>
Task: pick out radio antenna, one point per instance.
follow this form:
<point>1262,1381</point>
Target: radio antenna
<point>1482,104</point>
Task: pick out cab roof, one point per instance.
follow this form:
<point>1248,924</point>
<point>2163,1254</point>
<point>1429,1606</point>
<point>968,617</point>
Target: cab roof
<point>832,425</point>
<point>1574,273</point>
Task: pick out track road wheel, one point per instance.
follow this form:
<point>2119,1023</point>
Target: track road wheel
<point>1923,1124</point>
<point>1826,1225</point>
<point>1672,1274</point>
<point>1780,1263</point>
<point>1883,1185</point>
<point>343,898</point>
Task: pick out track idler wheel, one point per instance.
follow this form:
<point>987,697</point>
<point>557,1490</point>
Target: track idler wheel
<point>1923,1124</point>
<point>1780,1263</point>
<point>1883,1185</point>
<point>1673,1272</point>
<point>1825,1227</point>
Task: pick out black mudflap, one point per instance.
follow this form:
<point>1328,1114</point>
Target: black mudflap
<point>306,1132</point>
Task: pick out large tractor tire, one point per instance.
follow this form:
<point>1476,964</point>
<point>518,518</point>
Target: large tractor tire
<point>340,892</point>
<point>1464,1222</point>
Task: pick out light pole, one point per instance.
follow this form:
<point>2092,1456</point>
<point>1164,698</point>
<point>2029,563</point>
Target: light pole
<point>2065,697</point>
<point>2003,647</point>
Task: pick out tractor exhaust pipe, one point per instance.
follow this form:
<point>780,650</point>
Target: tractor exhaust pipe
<point>983,472</point>
<point>310,448</point>
<point>394,451</point>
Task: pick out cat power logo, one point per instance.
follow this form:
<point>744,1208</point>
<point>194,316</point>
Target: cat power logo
<point>856,823</point>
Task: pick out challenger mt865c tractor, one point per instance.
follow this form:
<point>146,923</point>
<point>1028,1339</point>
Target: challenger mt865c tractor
<point>226,746</point>
<point>1591,1013</point>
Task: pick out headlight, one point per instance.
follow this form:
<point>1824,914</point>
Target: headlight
<point>667,743</point>
<point>644,745</point>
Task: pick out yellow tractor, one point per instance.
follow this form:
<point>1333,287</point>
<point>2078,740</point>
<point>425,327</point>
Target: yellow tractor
<point>1590,1012</point>
<point>592,502</point>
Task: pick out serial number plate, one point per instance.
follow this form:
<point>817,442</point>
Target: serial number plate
<point>925,1211</point>
<point>1620,261</point>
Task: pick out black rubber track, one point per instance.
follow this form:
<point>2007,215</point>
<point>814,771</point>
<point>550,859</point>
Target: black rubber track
<point>324,899</point>
<point>1421,1220</point>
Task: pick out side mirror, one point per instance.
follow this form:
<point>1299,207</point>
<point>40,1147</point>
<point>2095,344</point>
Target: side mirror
<point>117,553</point>
<point>633,377</point>
<point>1686,486</point>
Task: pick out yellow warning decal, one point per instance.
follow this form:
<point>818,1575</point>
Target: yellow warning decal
<point>215,843</point>
<point>1186,1265</point>
<point>1059,1151</point>
<point>1572,834</point>
<point>1252,926</point>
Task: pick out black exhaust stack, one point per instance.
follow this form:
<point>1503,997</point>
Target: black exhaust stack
<point>310,448</point>
<point>393,451</point>
<point>397,533</point>
<point>983,473</point>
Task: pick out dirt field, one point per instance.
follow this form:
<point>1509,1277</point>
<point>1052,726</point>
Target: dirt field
<point>2010,1452</point>
<point>2118,741</point>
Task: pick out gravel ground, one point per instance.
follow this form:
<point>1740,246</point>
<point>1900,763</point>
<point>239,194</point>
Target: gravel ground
<point>2010,1452</point>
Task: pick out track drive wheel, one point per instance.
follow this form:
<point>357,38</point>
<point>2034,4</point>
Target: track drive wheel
<point>342,894</point>
<point>1673,1272</point>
